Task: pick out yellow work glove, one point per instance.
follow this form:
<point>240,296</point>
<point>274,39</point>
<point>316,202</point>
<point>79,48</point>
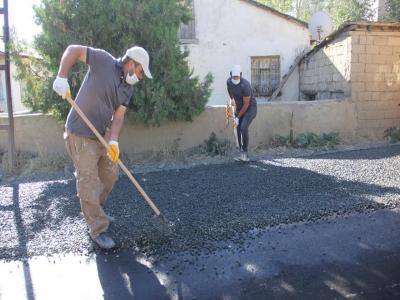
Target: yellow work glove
<point>113,151</point>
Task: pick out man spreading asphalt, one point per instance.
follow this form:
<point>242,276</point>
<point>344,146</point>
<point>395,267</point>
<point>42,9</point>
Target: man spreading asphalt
<point>103,97</point>
<point>240,92</point>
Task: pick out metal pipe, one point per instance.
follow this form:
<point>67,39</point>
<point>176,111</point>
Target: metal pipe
<point>11,138</point>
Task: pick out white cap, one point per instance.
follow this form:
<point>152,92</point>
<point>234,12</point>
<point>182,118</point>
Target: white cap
<point>236,70</point>
<point>141,56</point>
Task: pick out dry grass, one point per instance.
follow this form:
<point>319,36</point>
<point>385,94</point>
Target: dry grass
<point>26,163</point>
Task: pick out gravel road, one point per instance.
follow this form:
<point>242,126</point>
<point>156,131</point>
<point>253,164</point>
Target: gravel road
<point>205,204</point>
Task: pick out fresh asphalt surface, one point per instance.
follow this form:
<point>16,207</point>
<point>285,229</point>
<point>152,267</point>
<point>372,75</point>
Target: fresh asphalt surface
<point>314,227</point>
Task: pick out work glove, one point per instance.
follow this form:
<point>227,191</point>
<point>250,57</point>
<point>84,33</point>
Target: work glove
<point>113,151</point>
<point>61,86</point>
<point>236,121</point>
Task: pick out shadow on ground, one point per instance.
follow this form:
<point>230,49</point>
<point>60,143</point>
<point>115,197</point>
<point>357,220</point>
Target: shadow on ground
<point>123,277</point>
<point>373,277</point>
<point>206,204</point>
<point>355,257</point>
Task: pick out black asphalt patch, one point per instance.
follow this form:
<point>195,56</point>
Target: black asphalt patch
<point>206,204</point>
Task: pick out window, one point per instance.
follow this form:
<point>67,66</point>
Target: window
<point>187,32</point>
<point>265,75</point>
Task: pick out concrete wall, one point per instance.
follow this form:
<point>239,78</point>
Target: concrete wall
<point>375,77</point>
<point>325,74</point>
<point>231,32</point>
<point>42,134</point>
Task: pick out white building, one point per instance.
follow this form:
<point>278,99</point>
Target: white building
<point>262,40</point>
<point>16,89</point>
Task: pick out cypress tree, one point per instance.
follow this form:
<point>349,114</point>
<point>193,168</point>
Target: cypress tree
<point>116,25</point>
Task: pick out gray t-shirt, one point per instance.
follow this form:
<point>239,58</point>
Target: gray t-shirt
<point>102,91</point>
<point>237,92</point>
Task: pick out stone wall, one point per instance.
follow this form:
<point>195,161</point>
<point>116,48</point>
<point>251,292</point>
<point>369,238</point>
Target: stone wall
<point>375,81</point>
<point>362,63</point>
<point>325,73</point>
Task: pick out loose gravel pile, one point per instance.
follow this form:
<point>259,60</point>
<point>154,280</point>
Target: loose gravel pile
<point>204,204</point>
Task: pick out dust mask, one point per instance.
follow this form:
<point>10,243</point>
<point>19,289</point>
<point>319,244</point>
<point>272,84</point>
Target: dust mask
<point>235,81</point>
<point>131,79</point>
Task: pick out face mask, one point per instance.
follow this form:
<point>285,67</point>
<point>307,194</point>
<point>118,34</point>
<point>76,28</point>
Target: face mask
<point>235,82</point>
<point>131,79</point>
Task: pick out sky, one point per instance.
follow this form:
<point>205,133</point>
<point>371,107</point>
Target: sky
<point>21,17</point>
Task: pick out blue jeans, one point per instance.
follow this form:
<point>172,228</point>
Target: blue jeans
<point>243,128</point>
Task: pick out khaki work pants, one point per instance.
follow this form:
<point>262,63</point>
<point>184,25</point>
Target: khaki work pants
<point>95,178</point>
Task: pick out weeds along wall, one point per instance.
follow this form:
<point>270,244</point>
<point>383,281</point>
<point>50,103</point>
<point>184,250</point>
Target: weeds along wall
<point>41,134</point>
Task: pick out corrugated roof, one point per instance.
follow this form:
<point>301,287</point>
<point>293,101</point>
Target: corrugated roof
<point>355,26</point>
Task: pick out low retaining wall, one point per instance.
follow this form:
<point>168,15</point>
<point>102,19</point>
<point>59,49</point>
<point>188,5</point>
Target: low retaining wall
<point>41,134</point>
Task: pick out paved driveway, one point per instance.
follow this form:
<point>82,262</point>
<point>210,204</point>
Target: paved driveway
<point>279,227</point>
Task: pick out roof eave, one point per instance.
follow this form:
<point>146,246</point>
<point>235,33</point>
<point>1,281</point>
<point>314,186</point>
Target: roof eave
<point>351,26</point>
<point>278,13</point>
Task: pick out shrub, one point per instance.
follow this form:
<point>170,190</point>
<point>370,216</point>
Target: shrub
<point>306,140</point>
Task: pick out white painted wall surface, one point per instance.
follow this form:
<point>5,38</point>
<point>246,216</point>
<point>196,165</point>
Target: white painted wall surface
<point>231,32</point>
<point>15,90</point>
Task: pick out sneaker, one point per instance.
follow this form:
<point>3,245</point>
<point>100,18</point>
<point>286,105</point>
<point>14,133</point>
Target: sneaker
<point>244,157</point>
<point>238,155</point>
<point>104,241</point>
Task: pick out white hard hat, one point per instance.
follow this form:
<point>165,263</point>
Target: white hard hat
<point>141,56</point>
<point>236,70</point>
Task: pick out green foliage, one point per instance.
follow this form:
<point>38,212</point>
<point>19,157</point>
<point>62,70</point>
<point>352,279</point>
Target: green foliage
<point>114,25</point>
<point>305,9</point>
<point>214,146</point>
<point>393,9</point>
<point>350,10</point>
<point>393,134</point>
<point>307,140</point>
<point>283,6</point>
<point>339,10</point>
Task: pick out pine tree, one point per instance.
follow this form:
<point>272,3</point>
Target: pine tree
<point>115,25</point>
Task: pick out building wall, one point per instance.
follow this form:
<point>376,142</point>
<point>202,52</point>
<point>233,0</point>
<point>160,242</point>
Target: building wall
<point>375,78</point>
<point>15,90</point>
<point>326,73</point>
<point>42,134</point>
<point>231,32</point>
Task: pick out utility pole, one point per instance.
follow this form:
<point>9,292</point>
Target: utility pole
<point>6,67</point>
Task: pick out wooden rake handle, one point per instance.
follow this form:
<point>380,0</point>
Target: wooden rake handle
<point>122,166</point>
